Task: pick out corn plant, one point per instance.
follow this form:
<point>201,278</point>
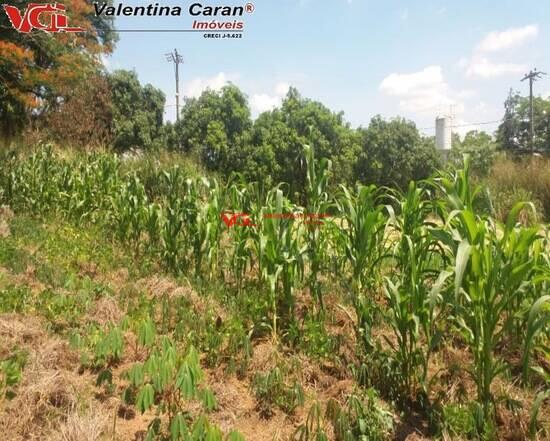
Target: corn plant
<point>316,207</point>
<point>129,208</point>
<point>361,418</point>
<point>153,222</point>
<point>280,249</point>
<point>492,272</point>
<point>206,242</point>
<point>360,242</point>
<point>416,290</point>
<point>171,235</point>
<point>172,215</point>
<point>537,322</point>
<point>35,183</point>
<point>241,237</point>
<point>9,162</point>
<point>194,231</point>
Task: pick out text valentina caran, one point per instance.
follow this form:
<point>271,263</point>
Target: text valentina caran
<point>195,9</point>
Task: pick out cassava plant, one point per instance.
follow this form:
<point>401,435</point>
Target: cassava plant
<point>164,382</point>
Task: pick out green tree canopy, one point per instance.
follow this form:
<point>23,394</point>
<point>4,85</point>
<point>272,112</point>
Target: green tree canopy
<point>36,67</point>
<point>480,146</point>
<point>514,132</point>
<point>137,112</point>
<point>273,150</point>
<point>213,123</point>
<point>393,153</point>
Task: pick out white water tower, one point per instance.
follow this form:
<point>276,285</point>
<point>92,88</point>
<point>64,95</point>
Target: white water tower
<point>443,135</point>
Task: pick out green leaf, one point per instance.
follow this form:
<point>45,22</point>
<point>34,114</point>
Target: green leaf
<point>146,333</point>
<point>178,427</point>
<point>105,376</point>
<point>235,436</point>
<point>208,400</point>
<point>145,398</point>
<point>462,257</point>
<point>541,397</point>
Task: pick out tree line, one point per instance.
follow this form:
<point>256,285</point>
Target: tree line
<point>55,85</point>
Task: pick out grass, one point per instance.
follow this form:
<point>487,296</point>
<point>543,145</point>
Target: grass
<point>511,181</point>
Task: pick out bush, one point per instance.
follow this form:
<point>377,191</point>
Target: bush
<point>526,179</point>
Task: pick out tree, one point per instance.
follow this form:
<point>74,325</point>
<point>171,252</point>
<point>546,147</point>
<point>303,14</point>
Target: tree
<point>137,112</point>
<point>35,68</point>
<point>393,153</point>
<point>228,108</point>
<point>84,117</point>
<point>514,132</point>
<point>271,153</point>
<point>214,150</point>
<point>481,149</point>
<point>274,150</point>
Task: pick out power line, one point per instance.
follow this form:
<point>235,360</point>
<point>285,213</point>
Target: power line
<point>481,123</point>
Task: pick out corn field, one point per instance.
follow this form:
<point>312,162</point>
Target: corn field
<point>424,264</point>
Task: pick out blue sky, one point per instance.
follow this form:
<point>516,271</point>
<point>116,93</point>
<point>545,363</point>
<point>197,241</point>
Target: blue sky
<point>415,58</point>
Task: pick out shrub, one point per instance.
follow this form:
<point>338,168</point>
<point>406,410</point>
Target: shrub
<point>525,178</point>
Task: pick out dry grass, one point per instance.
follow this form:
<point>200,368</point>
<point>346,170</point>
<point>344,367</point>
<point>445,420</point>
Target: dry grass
<point>88,426</point>
<point>5,216</point>
<point>159,286</point>
<point>511,181</point>
<point>105,311</point>
<point>49,386</point>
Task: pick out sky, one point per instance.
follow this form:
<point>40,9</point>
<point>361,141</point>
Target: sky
<point>416,59</point>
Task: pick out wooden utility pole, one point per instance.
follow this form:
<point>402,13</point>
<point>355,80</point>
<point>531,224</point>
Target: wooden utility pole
<point>532,76</point>
<point>177,59</point>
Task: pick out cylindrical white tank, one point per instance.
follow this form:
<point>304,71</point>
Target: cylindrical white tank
<point>443,133</point>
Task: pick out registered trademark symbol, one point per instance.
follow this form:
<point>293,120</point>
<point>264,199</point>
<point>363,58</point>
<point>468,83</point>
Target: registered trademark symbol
<point>249,7</point>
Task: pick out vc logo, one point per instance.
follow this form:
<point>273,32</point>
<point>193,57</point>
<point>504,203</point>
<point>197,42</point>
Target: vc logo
<point>240,219</point>
<point>31,19</point>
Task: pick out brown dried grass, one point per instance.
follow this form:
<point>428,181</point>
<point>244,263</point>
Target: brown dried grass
<point>5,216</point>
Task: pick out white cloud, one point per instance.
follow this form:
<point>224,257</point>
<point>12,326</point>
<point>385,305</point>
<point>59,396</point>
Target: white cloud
<point>259,102</point>
<point>510,38</point>
<point>413,83</point>
<point>263,102</point>
<point>466,93</point>
<point>463,62</point>
<point>196,86</point>
<point>483,68</point>
<point>421,92</point>
<point>281,89</point>
<point>479,66</point>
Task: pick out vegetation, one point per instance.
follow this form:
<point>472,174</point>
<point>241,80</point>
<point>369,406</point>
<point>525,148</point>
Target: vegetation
<point>514,132</point>
<point>38,72</point>
<point>425,270</point>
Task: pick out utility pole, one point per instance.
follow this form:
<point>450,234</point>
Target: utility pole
<point>532,76</point>
<point>177,59</point>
